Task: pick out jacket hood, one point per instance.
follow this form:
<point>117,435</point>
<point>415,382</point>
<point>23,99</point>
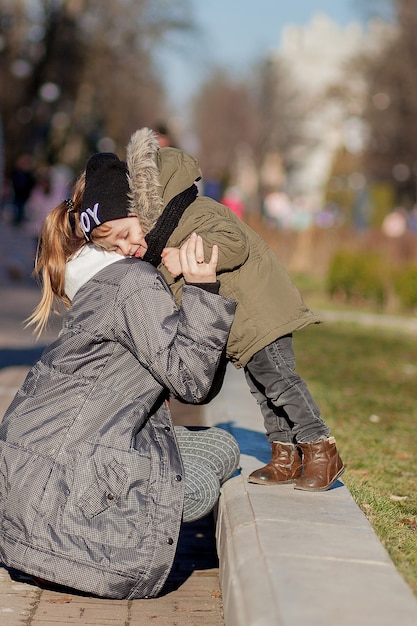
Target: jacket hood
<point>156,175</point>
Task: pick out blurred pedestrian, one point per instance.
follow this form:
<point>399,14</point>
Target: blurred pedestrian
<point>277,209</point>
<point>233,199</point>
<point>23,181</point>
<point>164,136</point>
<point>412,220</point>
<point>51,185</point>
<point>395,223</point>
<point>94,478</point>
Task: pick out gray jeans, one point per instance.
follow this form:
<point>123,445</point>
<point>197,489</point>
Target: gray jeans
<point>288,408</point>
<point>210,456</point>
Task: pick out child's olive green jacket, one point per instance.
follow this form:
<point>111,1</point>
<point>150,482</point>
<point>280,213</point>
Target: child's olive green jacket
<point>268,304</point>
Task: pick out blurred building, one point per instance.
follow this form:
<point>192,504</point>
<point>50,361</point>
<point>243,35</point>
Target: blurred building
<point>317,58</point>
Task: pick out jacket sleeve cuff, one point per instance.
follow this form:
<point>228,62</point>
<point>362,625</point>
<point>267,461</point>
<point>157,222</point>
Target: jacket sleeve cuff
<point>211,287</point>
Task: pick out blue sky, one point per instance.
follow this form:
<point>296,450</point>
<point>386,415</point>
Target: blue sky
<point>237,33</point>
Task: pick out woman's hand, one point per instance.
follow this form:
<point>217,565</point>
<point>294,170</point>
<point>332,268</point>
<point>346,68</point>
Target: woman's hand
<point>193,267</point>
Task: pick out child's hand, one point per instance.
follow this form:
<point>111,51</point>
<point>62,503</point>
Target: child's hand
<point>193,266</point>
<point>171,260</point>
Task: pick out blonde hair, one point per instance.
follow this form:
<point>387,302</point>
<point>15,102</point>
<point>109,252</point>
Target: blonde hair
<point>61,237</point>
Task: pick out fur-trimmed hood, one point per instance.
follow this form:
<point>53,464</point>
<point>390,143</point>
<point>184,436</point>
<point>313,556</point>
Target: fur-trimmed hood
<point>156,175</point>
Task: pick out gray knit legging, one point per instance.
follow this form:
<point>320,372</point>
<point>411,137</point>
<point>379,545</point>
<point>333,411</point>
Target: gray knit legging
<point>210,457</point>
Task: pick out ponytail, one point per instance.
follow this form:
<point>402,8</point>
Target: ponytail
<point>61,237</point>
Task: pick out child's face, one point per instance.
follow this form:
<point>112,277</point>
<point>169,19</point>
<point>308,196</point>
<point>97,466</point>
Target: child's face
<point>124,236</point>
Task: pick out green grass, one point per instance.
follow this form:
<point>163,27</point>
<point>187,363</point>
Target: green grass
<point>365,383</point>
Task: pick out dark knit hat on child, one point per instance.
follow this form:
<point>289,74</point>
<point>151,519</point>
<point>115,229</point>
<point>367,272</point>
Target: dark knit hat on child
<point>106,193</point>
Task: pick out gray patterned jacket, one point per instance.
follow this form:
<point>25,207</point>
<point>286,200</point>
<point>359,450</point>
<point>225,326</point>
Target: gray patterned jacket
<point>91,489</point>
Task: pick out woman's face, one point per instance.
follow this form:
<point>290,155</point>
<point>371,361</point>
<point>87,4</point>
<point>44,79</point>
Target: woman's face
<point>124,236</point>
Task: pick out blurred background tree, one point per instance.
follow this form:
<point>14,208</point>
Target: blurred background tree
<point>78,75</point>
<point>280,109</point>
<point>224,118</point>
<point>317,139</point>
<point>391,111</point>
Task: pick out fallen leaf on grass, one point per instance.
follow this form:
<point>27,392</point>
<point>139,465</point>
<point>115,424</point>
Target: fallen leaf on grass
<point>402,455</point>
<point>411,522</point>
<point>397,498</point>
<point>60,600</point>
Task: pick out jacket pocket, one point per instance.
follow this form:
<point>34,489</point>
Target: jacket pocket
<point>105,491</point>
<point>107,502</point>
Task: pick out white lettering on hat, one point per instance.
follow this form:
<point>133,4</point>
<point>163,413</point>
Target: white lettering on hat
<point>88,215</point>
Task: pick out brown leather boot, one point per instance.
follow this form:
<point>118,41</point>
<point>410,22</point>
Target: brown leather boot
<point>322,465</point>
<point>284,467</point>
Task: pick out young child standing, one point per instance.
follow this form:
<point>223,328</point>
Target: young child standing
<point>269,307</point>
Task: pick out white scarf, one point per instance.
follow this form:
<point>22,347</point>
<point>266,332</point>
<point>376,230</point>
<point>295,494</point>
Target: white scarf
<point>84,264</point>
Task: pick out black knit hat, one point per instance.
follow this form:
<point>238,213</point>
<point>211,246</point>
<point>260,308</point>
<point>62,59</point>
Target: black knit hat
<point>106,193</point>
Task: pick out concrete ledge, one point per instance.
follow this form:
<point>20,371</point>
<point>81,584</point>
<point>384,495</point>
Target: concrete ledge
<point>289,557</point>
<point>244,571</point>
